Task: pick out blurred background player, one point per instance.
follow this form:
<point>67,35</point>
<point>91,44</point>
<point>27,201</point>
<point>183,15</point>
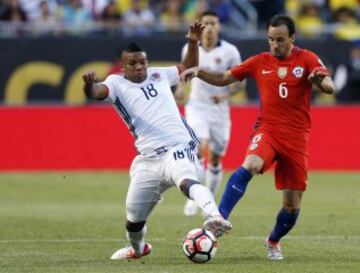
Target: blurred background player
<point>347,76</point>
<point>207,111</point>
<point>164,142</point>
<point>116,67</point>
<point>284,77</point>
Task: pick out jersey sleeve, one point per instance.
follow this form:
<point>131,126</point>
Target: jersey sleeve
<point>110,84</point>
<point>245,69</point>
<point>313,61</point>
<point>172,74</point>
<point>236,57</point>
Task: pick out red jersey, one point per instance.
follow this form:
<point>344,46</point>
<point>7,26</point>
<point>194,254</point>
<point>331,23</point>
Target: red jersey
<point>284,90</point>
<point>116,69</point>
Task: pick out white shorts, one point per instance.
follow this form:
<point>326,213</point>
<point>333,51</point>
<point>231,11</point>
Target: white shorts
<point>151,176</point>
<point>216,131</point>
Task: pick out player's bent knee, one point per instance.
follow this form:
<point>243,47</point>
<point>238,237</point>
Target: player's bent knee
<point>292,200</point>
<point>134,227</point>
<point>185,186</point>
<point>200,154</point>
<point>253,164</point>
<point>291,208</point>
<point>215,160</point>
<point>202,148</point>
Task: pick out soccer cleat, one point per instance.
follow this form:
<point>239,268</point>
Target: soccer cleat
<point>129,253</point>
<point>274,250</point>
<point>190,208</point>
<point>217,225</point>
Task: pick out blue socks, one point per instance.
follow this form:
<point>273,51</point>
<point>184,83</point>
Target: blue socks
<point>234,190</point>
<point>284,223</point>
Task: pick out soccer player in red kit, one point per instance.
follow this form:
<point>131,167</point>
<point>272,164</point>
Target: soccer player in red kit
<point>284,77</point>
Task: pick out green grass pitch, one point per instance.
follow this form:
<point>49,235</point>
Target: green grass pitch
<point>73,222</point>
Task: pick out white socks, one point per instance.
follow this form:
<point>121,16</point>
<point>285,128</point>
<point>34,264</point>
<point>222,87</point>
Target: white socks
<point>214,176</point>
<point>137,240</point>
<point>201,171</point>
<point>204,199</point>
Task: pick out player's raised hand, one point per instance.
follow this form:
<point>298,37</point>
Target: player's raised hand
<point>195,31</point>
<point>188,74</point>
<point>91,87</point>
<point>90,77</point>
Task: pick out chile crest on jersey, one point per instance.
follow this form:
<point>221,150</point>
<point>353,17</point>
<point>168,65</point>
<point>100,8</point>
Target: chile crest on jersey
<point>298,71</point>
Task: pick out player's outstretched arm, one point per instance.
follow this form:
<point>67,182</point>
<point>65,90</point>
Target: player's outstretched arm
<point>92,89</point>
<point>234,88</point>
<point>322,81</point>
<point>214,78</point>
<point>191,58</point>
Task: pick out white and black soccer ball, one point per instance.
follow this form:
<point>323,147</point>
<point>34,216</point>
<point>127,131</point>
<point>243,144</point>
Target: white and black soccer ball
<point>200,245</point>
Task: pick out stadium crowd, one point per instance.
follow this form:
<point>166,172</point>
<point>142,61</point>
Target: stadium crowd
<point>142,17</point>
<point>239,19</point>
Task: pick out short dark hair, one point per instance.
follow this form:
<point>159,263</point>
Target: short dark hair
<point>209,13</point>
<point>281,19</point>
<point>132,47</point>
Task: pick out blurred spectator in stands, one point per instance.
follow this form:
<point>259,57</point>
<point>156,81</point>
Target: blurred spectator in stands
<point>293,8</point>
<point>14,12</point>
<point>308,20</point>
<point>45,21</point>
<point>267,9</point>
<point>117,67</point>
<point>158,6</point>
<point>347,77</point>
<point>123,6</point>
<point>32,10</point>
<point>336,4</point>
<point>95,7</point>
<point>75,17</point>
<point>172,18</point>
<point>138,20</point>
<point>347,25</point>
<point>193,9</point>
<point>45,14</point>
<point>110,13</point>
<point>222,9</point>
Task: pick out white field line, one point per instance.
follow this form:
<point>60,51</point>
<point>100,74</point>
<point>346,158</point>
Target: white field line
<point>86,240</point>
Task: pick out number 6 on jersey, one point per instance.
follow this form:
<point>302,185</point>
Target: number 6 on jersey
<point>283,91</point>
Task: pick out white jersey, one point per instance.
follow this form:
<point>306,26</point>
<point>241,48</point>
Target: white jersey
<point>219,59</point>
<point>149,110</point>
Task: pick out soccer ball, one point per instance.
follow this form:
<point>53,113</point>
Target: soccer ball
<point>200,245</point>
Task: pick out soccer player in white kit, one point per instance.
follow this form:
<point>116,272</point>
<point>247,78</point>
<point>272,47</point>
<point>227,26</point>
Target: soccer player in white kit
<point>164,142</point>
<point>207,110</point>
